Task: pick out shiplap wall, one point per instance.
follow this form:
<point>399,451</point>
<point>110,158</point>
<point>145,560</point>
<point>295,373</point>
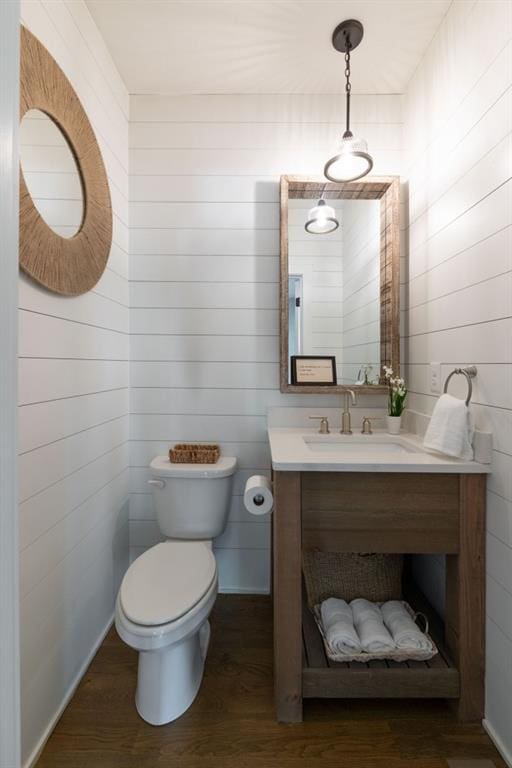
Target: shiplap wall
<point>73,415</point>
<point>319,259</point>
<point>361,288</point>
<point>204,267</point>
<point>459,303</point>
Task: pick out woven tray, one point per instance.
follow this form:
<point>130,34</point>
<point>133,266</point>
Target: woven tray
<point>347,575</point>
<point>190,453</point>
<point>398,655</point>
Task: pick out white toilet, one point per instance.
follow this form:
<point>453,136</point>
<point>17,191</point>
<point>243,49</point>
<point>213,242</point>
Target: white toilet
<point>167,594</point>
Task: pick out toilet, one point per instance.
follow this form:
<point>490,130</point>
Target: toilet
<point>168,593</point>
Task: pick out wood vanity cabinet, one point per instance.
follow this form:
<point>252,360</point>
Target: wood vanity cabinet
<point>381,512</point>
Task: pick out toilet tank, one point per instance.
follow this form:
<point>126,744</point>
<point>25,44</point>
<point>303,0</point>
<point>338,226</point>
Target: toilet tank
<point>192,501</point>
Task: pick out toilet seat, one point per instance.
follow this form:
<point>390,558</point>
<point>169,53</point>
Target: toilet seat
<point>166,582</point>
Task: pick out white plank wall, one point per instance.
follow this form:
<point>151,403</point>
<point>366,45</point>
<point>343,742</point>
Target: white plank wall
<point>459,297</point>
<point>73,397</point>
<point>319,259</point>
<point>361,288</point>
<point>204,267</point>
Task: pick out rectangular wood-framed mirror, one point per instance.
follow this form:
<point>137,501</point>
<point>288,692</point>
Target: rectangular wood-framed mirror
<point>340,292</point>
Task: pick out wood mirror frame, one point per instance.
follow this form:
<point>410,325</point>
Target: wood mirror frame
<point>387,190</point>
<point>69,266</point>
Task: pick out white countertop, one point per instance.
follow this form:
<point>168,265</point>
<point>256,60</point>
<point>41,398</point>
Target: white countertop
<point>298,449</point>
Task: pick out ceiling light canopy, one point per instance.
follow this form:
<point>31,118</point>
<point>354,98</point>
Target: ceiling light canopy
<point>321,219</point>
<point>353,160</point>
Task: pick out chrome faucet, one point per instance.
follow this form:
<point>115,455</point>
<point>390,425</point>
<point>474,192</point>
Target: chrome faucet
<point>345,416</point>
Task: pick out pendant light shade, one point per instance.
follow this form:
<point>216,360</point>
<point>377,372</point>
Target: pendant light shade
<point>321,219</point>
<point>353,160</point>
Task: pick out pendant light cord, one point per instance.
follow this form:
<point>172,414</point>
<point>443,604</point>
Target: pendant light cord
<point>348,86</point>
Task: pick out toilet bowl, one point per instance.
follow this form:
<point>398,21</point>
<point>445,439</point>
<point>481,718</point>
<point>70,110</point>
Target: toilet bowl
<point>167,594</point>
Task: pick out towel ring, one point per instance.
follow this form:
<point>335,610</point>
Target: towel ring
<point>469,373</point>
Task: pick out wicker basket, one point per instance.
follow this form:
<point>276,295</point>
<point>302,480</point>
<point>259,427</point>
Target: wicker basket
<point>364,656</point>
<point>376,577</point>
<point>190,453</point>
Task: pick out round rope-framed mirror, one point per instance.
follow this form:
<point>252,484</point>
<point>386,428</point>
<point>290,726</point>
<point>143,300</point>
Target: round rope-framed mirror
<point>69,265</point>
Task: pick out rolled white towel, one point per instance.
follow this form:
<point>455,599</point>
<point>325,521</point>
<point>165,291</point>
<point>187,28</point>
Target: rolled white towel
<point>338,624</point>
<point>369,625</point>
<point>406,634</point>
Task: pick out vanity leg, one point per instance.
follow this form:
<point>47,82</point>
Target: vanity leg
<point>287,597</point>
<point>465,599</point>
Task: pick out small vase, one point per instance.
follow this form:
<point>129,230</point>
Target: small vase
<point>393,423</point>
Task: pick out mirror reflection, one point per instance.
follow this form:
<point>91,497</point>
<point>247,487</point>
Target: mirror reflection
<point>334,288</point>
<point>51,173</point>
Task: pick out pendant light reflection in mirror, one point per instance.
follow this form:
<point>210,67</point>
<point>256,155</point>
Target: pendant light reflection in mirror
<point>321,219</point>
<point>353,160</point>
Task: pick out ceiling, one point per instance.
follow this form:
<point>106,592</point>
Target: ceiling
<point>263,46</point>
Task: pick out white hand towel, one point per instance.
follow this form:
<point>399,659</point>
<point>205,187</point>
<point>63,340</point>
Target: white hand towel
<point>338,624</point>
<point>405,633</point>
<point>369,624</point>
<point>450,430</point>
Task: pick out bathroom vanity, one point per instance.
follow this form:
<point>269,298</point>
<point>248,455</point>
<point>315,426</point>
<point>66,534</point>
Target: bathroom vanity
<point>370,492</point>
<point>377,493</point>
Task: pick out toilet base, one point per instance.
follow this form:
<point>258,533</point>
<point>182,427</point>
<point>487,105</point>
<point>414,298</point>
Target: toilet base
<point>169,679</point>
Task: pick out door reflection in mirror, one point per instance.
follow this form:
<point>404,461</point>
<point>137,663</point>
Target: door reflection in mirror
<point>295,315</point>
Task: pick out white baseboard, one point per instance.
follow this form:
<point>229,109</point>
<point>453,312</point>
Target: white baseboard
<point>36,752</point>
<point>502,749</point>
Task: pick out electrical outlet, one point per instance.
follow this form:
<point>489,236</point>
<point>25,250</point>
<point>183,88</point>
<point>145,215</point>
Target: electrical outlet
<point>435,377</point>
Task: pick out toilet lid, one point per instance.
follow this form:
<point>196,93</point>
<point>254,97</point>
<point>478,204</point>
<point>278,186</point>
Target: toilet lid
<point>167,581</point>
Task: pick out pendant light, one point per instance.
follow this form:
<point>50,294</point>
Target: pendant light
<point>353,161</point>
<point>321,219</point>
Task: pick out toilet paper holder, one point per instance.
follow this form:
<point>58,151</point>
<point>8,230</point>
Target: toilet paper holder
<point>258,497</point>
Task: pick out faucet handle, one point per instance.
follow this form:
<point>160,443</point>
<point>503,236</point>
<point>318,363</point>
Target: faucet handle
<point>324,424</point>
<point>366,428</point>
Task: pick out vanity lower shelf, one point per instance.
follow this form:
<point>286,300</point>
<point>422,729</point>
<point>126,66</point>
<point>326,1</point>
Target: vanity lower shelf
<point>323,678</point>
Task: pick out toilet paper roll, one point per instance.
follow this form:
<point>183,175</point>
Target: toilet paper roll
<point>258,498</point>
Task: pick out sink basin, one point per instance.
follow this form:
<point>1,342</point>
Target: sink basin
<point>354,445</point>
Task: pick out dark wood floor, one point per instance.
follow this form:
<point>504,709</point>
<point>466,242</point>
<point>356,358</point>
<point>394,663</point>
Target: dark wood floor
<point>232,725</point>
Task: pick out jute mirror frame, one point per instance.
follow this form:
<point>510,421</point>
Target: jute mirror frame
<point>387,190</point>
<point>69,266</point>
